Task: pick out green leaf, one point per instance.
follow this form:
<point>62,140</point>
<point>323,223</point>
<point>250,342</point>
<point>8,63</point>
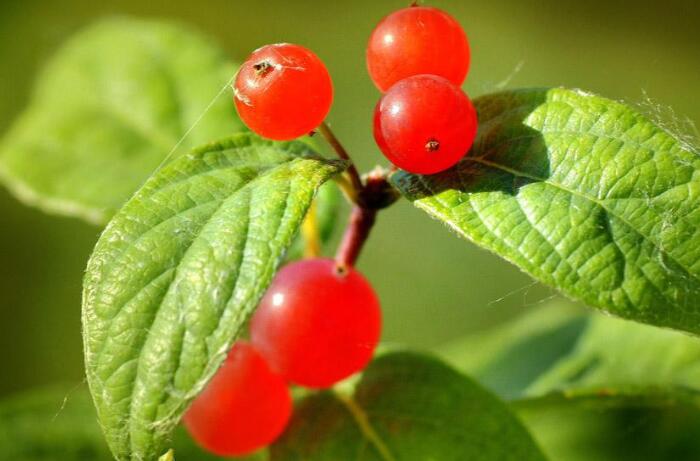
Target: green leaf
<point>585,195</point>
<point>109,107</point>
<point>652,427</point>
<point>59,424</point>
<point>406,407</point>
<point>508,358</point>
<point>614,355</point>
<point>328,202</point>
<point>579,378</point>
<point>176,274</point>
<point>559,348</point>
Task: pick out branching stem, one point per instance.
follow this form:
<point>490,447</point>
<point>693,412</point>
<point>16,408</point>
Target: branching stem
<point>367,198</point>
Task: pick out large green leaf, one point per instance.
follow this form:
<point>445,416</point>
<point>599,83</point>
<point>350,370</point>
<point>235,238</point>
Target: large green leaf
<point>653,426</point>
<point>406,407</point>
<point>559,348</point>
<point>176,273</point>
<point>584,194</point>
<point>614,355</point>
<point>508,358</point>
<point>590,386</point>
<point>108,108</point>
<point>59,424</point>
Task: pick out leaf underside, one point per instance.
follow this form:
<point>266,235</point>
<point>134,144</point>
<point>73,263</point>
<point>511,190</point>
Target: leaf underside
<point>406,407</point>
<point>108,108</point>
<point>177,272</point>
<point>585,195</point>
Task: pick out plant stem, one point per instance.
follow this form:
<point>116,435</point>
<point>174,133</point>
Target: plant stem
<point>355,180</point>
<point>358,229</point>
<point>367,198</point>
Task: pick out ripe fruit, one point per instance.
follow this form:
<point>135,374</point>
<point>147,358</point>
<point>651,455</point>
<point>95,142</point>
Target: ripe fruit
<point>424,124</point>
<point>417,40</point>
<point>283,91</point>
<point>316,325</point>
<point>244,407</point>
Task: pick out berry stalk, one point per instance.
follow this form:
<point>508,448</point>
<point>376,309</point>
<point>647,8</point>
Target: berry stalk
<point>359,226</point>
<point>355,180</point>
<point>364,198</point>
<point>375,195</point>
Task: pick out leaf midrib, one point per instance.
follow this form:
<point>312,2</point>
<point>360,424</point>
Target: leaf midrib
<point>361,419</point>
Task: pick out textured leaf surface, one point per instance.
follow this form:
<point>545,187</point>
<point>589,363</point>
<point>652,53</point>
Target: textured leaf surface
<point>176,273</point>
<point>584,194</point>
<point>108,108</point>
<point>59,424</point>
<point>406,407</point>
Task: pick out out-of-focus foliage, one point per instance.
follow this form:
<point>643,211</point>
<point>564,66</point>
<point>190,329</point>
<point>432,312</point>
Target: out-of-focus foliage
<point>59,424</point>
<point>406,407</point>
<point>592,387</point>
<point>110,106</point>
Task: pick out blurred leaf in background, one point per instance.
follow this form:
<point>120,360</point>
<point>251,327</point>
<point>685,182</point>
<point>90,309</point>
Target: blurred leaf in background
<point>110,106</point>
<point>590,386</point>
<point>58,423</point>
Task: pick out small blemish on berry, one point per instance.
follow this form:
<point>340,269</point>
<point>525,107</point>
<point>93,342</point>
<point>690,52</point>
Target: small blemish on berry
<point>432,145</point>
<point>341,270</point>
<point>262,68</point>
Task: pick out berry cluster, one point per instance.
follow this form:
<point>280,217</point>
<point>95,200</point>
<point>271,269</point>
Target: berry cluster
<point>316,325</point>
<point>419,56</point>
<point>320,321</point>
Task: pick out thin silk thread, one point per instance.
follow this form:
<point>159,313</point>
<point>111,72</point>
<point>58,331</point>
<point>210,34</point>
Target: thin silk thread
<point>194,125</point>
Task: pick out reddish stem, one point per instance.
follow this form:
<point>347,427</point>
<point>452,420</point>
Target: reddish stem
<point>358,229</point>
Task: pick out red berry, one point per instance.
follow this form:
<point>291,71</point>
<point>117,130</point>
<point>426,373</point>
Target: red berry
<point>243,408</point>
<point>316,325</point>
<point>283,91</point>
<point>417,40</point>
<point>424,124</point>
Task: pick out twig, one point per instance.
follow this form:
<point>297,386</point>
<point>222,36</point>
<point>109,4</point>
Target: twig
<point>355,180</point>
<point>358,229</point>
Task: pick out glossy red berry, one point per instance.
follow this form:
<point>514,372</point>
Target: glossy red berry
<point>417,40</point>
<point>424,124</point>
<point>283,91</point>
<point>243,408</point>
<point>316,325</point>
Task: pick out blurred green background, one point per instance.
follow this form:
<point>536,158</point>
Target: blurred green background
<point>433,286</point>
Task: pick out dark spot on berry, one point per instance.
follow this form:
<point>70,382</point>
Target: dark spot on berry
<point>432,145</point>
<point>312,133</point>
<point>341,270</point>
<point>262,68</point>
